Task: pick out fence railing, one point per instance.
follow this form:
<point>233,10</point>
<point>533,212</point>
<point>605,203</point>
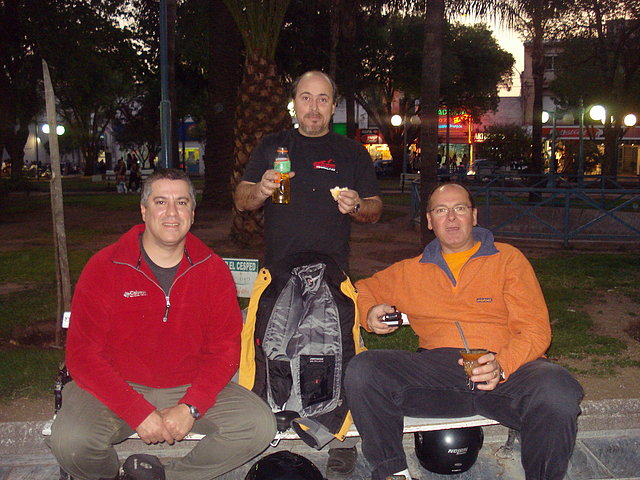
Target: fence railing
<point>565,207</point>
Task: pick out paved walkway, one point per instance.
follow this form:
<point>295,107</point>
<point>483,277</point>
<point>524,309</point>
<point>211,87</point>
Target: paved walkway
<point>608,447</point>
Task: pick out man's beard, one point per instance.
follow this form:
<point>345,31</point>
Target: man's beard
<point>313,129</point>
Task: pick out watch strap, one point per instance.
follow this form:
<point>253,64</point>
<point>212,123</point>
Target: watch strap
<point>195,413</point>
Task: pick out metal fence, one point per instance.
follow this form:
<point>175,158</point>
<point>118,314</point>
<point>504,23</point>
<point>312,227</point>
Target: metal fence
<point>562,207</point>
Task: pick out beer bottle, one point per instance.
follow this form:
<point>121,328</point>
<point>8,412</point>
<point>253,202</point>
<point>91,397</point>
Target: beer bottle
<point>282,165</point>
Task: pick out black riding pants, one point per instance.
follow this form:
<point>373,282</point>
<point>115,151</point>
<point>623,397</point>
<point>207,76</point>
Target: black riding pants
<point>540,399</point>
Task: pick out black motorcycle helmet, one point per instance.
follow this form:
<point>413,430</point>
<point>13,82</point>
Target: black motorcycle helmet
<point>284,465</point>
<point>449,451</point>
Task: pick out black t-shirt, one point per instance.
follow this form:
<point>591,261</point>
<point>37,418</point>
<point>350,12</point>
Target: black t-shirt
<point>312,221</point>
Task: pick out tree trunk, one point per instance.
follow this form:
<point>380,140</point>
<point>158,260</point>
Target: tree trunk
<point>91,158</point>
<point>397,157</point>
<point>611,134</point>
<point>262,109</point>
<point>90,162</point>
<point>225,74</point>
<point>15,142</point>
<point>334,28</point>
<point>349,33</point>
<point>537,67</point>
<point>429,102</point>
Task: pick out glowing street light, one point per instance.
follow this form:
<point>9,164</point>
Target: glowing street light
<point>597,112</point>
<point>396,121</point>
<point>59,129</point>
<point>545,116</point>
<point>630,120</point>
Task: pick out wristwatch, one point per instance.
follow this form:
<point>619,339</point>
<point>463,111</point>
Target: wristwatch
<point>503,377</point>
<point>193,411</point>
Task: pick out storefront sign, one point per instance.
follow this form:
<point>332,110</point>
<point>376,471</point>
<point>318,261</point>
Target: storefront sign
<point>572,132</point>
<point>370,135</point>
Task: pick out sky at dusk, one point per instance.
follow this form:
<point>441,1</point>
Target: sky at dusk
<point>509,41</point>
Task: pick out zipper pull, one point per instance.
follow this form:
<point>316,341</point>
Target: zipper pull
<point>166,310</point>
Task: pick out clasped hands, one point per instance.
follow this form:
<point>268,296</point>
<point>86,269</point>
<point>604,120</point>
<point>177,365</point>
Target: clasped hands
<point>167,425</point>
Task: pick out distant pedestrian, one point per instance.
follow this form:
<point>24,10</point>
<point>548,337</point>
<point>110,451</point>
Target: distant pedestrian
<point>135,177</point>
<point>121,176</point>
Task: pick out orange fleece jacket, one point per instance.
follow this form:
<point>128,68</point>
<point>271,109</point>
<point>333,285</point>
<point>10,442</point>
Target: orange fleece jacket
<point>497,301</point>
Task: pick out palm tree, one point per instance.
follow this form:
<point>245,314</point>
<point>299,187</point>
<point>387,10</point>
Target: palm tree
<point>224,75</point>
<point>263,99</point>
<point>429,103</point>
<point>533,18</point>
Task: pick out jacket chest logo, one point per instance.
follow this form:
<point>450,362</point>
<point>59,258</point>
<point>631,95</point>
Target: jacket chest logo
<point>329,164</point>
<point>134,293</point>
<point>484,300</point>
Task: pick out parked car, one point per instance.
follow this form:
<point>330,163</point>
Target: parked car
<point>383,168</point>
<point>483,168</point>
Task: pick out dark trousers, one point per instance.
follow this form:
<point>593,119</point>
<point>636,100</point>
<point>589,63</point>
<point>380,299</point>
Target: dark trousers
<point>540,399</point>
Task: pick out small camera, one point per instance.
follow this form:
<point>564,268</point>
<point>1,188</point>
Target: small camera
<point>392,319</point>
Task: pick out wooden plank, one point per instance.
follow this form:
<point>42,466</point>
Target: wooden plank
<point>411,424</point>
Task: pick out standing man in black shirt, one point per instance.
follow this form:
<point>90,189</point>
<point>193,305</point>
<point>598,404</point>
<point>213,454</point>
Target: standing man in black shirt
<point>313,221</point>
<point>320,160</point>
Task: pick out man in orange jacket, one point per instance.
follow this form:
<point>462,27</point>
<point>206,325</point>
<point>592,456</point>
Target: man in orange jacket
<point>491,290</point>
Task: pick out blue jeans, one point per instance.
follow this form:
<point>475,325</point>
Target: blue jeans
<point>540,399</point>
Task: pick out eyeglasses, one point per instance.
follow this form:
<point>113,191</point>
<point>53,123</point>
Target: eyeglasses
<point>459,210</point>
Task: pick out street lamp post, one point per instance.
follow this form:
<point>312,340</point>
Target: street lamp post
<point>552,159</point>
<point>165,104</point>
<point>36,141</point>
<point>396,121</point>
<point>598,112</point>
<point>404,146</point>
<point>581,149</point>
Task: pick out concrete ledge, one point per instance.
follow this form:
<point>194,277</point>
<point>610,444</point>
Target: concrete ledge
<point>615,414</point>
<point>25,438</point>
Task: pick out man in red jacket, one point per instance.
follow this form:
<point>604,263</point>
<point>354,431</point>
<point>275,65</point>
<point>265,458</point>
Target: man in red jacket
<point>491,290</point>
<point>153,343</point>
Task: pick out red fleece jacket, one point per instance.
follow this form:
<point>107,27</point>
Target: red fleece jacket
<point>118,333</point>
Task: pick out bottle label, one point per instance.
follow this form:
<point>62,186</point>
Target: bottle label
<point>282,165</point>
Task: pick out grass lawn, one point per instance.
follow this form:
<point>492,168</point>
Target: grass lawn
<point>569,280</point>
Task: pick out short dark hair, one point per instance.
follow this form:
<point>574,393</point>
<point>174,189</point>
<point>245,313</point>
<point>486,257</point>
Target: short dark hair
<point>472,201</point>
<point>334,87</point>
<point>166,174</point>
